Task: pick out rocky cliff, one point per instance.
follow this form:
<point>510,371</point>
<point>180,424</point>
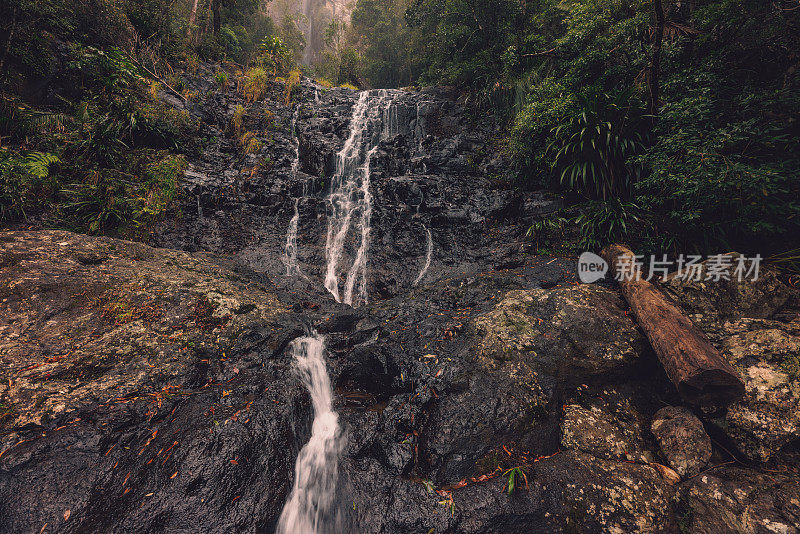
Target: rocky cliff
<point>152,389</point>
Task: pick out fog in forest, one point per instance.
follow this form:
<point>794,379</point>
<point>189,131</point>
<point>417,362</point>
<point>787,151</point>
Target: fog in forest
<point>312,18</point>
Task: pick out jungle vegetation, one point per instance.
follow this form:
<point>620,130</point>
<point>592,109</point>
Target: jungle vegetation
<point>671,124</point>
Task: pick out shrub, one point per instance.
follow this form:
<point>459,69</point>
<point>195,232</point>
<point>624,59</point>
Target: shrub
<point>592,148</point>
<point>254,86</point>
<point>606,221</point>
<point>274,55</point>
<point>113,201</point>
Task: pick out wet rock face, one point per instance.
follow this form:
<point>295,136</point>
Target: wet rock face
<point>682,439</point>
<point>140,390</point>
<point>739,500</point>
<point>429,173</point>
<point>575,333</point>
<point>756,325</point>
<point>607,432</point>
<point>87,320</point>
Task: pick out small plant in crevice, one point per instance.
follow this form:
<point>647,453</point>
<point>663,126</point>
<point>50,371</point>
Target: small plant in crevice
<point>221,80</point>
<point>516,476</point>
<point>237,120</point>
<point>254,146</point>
<point>255,83</point>
<point>291,82</point>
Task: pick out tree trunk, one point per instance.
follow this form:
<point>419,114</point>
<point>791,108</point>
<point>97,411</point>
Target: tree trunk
<point>192,18</point>
<point>9,40</point>
<point>655,62</point>
<point>701,374</point>
<point>215,7</point>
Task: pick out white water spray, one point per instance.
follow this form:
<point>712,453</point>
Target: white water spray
<point>290,251</point>
<point>428,255</point>
<point>311,506</point>
<point>373,120</point>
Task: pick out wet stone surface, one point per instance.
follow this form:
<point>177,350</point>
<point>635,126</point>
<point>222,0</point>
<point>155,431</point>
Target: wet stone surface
<point>152,389</point>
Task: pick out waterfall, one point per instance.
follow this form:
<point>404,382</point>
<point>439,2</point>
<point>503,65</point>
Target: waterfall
<point>296,146</point>
<point>373,120</point>
<point>311,506</point>
<point>290,251</point>
<point>428,255</point>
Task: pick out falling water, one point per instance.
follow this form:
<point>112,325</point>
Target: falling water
<point>373,120</point>
<point>428,255</point>
<point>311,506</point>
<point>290,251</point>
<point>296,146</point>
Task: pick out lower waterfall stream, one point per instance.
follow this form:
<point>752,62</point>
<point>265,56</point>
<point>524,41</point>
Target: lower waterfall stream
<point>311,506</point>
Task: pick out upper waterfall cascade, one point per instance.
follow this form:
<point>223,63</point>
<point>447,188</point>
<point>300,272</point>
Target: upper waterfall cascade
<point>290,251</point>
<point>374,118</point>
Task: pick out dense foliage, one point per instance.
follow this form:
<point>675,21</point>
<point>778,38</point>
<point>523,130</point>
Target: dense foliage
<point>674,124</point>
<point>682,130</point>
<point>87,140</point>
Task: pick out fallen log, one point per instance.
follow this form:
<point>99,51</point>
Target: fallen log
<point>700,373</point>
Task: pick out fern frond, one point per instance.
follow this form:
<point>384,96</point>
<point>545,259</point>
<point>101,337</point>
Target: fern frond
<point>38,163</point>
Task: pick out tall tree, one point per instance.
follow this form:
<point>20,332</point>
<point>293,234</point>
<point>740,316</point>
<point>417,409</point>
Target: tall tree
<point>655,61</point>
<point>192,18</point>
<point>217,21</point>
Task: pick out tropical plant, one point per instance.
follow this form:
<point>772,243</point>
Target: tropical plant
<point>591,150</point>
<point>25,180</point>
<point>540,231</point>
<point>606,221</point>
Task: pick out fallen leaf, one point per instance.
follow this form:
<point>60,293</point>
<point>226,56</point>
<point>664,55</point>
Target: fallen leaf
<point>666,473</point>
<point>67,513</point>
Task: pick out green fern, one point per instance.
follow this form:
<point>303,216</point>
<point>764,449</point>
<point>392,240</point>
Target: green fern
<point>38,163</point>
<point>45,122</point>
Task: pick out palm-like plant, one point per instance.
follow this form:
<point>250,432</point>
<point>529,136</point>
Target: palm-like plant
<point>592,148</point>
